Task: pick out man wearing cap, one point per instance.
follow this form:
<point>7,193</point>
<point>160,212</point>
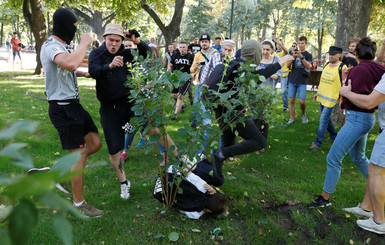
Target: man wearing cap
<point>203,64</point>
<point>228,47</point>
<point>75,126</point>
<point>328,95</point>
<point>107,64</point>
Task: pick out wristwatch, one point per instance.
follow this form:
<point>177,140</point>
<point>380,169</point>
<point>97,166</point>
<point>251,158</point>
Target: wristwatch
<point>302,58</point>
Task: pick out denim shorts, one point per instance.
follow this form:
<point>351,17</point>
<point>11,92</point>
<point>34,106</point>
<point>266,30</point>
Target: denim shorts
<point>293,88</point>
<point>378,152</point>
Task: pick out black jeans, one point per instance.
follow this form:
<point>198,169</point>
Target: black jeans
<point>253,138</point>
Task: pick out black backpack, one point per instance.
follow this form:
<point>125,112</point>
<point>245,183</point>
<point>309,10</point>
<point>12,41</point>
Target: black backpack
<point>217,76</point>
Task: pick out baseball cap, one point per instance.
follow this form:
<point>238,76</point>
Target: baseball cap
<point>204,37</point>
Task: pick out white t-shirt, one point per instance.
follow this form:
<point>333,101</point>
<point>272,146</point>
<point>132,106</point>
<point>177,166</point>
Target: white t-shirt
<point>60,84</point>
<point>380,87</point>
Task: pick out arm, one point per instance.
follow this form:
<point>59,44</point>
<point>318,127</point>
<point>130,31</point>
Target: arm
<point>283,46</point>
<point>210,189</point>
<point>305,62</point>
<point>82,74</point>
<point>381,52</point>
<point>362,100</point>
<point>194,67</point>
<point>143,48</point>
<point>96,67</point>
<point>71,62</point>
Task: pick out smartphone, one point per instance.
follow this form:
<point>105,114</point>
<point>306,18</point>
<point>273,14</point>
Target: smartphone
<point>202,63</point>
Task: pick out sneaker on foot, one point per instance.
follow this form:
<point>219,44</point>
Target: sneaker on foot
<point>90,211</point>
<point>141,143</point>
<point>125,190</point>
<point>314,147</point>
<point>35,170</point>
<point>182,109</point>
<point>359,211</point>
<point>216,162</point>
<point>63,187</point>
<point>290,122</point>
<point>174,117</point>
<point>320,202</point>
<point>304,119</point>
<point>370,225</point>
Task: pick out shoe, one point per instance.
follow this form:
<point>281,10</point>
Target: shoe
<point>290,122</point>
<point>320,202</point>
<point>163,163</point>
<point>358,211</point>
<point>285,109</point>
<point>125,190</point>
<point>182,109</point>
<point>304,119</point>
<point>90,211</point>
<point>36,170</point>
<point>330,139</point>
<point>370,225</point>
<point>174,117</point>
<point>314,147</point>
<point>216,162</point>
<point>63,187</point>
<point>193,124</point>
<point>141,143</point>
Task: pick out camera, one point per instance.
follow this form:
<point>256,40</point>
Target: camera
<point>202,63</point>
<point>132,32</point>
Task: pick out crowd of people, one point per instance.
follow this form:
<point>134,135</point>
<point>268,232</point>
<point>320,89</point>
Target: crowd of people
<point>356,76</point>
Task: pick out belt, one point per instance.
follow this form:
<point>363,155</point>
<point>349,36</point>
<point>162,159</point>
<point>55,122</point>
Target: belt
<point>72,101</point>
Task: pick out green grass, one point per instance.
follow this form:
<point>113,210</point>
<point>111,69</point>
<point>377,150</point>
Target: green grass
<point>257,185</point>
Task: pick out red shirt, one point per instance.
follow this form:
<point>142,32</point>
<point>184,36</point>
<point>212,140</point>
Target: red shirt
<point>364,77</point>
<point>15,44</point>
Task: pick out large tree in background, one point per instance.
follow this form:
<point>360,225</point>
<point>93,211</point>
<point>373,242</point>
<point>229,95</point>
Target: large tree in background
<point>353,18</point>
<point>172,30</point>
<point>34,16</point>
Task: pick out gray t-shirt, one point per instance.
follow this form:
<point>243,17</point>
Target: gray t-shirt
<point>380,87</point>
<point>60,84</point>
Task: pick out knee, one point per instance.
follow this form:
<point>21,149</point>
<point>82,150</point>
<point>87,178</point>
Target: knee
<point>153,131</point>
<point>302,102</point>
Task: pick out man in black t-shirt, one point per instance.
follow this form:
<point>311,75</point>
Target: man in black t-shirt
<point>194,47</point>
<point>298,77</point>
<point>181,61</point>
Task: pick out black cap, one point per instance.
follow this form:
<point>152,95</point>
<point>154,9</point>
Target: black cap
<point>204,37</point>
<point>335,50</point>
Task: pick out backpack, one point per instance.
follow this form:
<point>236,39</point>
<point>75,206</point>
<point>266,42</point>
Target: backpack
<point>217,76</point>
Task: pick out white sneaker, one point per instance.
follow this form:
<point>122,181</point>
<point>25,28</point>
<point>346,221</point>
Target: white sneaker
<point>370,225</point>
<point>125,190</point>
<point>304,119</point>
<point>359,211</point>
<point>290,122</point>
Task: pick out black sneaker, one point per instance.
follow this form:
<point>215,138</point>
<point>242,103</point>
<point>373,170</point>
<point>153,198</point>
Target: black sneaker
<point>217,163</point>
<point>174,117</point>
<point>319,202</point>
<point>193,124</point>
<point>182,109</point>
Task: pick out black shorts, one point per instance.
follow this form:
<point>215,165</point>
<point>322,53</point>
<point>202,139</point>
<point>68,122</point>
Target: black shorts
<point>182,90</point>
<point>72,123</point>
<point>113,118</point>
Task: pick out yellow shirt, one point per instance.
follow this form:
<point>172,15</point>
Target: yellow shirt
<point>284,69</point>
<point>329,86</point>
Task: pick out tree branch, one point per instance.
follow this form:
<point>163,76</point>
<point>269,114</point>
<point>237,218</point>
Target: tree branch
<point>153,15</point>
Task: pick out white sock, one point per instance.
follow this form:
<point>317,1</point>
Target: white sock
<point>79,204</point>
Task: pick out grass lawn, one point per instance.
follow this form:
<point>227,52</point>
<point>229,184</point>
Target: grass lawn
<point>268,192</point>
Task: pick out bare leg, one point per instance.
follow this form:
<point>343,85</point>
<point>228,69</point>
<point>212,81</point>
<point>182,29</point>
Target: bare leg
<point>376,182</point>
<point>302,105</point>
<point>115,164</point>
<point>179,104</point>
<point>326,195</point>
<point>165,140</point>
<point>292,107</point>
<point>366,204</point>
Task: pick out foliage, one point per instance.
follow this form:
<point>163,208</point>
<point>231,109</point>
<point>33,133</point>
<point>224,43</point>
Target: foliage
<point>18,221</point>
<point>198,20</point>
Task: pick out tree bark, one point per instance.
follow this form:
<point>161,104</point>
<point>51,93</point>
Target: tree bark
<point>353,18</point>
<point>172,30</point>
<point>33,14</point>
<point>320,34</point>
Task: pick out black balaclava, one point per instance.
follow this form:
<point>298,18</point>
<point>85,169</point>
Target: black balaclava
<point>63,24</point>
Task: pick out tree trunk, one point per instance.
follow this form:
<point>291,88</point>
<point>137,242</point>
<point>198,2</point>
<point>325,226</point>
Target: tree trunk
<point>264,32</point>
<point>243,33</point>
<point>320,33</point>
<point>33,14</point>
<point>353,18</point>
<point>2,33</point>
<point>172,30</point>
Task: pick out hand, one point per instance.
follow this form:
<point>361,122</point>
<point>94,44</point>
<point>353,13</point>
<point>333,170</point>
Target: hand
<point>85,39</point>
<point>383,42</point>
<point>211,190</point>
<point>346,89</point>
<point>133,36</point>
<point>349,55</point>
<point>86,74</point>
<point>197,65</point>
<point>116,62</point>
<point>285,59</point>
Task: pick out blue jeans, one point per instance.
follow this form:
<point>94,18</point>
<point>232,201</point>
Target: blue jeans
<point>294,87</point>
<point>197,99</point>
<point>352,137</point>
<point>204,122</point>
<point>285,98</point>
<point>325,123</point>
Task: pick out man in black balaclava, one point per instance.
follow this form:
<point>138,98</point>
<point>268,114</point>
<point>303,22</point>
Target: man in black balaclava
<point>75,126</point>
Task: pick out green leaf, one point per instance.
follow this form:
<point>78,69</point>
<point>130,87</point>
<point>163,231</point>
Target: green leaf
<point>56,202</point>
<point>65,164</point>
<point>63,229</point>
<point>22,220</point>
<point>10,132</point>
<point>173,236</point>
<point>196,230</point>
<point>217,231</point>
<point>154,138</point>
<point>159,235</point>
<point>18,158</point>
<point>148,148</point>
<point>4,236</point>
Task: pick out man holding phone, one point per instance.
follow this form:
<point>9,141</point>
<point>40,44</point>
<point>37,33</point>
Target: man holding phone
<point>107,64</point>
<point>298,79</point>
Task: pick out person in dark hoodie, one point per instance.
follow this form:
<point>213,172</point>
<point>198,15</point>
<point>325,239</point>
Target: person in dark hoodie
<point>75,126</point>
<point>253,140</point>
<point>108,65</point>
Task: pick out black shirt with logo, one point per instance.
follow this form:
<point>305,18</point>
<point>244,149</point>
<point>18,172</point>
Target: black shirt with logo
<point>182,62</point>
